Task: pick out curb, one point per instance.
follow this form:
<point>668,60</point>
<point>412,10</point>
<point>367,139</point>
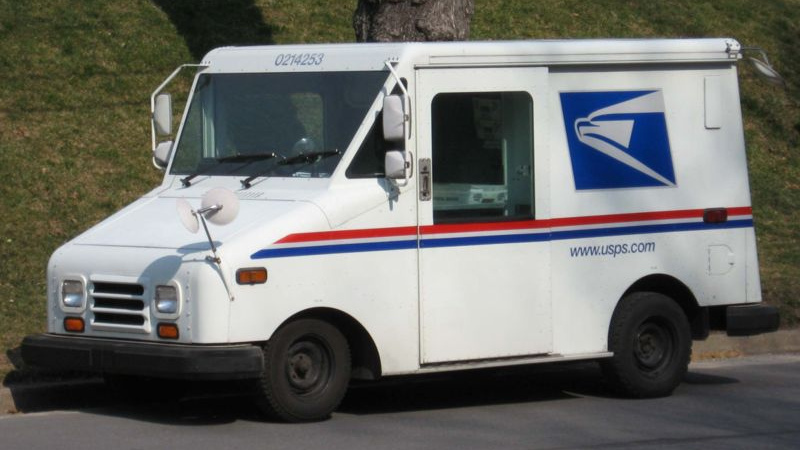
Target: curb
<point>91,392</point>
<point>7,405</point>
<point>719,345</point>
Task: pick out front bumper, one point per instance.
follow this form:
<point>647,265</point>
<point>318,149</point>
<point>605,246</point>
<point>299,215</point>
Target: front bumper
<point>748,320</point>
<point>198,362</point>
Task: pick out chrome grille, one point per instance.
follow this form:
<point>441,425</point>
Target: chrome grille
<point>119,307</point>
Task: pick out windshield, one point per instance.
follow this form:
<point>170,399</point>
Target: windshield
<point>273,124</point>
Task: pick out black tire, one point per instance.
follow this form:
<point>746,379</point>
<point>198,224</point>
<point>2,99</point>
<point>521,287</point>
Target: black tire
<point>306,372</point>
<point>652,346</point>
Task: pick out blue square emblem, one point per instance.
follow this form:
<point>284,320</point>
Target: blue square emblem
<point>617,139</point>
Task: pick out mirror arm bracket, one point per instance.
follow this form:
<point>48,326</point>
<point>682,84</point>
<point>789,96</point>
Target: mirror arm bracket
<point>158,91</point>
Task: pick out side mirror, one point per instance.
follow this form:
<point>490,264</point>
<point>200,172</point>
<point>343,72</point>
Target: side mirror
<point>762,65</point>
<point>397,164</point>
<point>162,115</point>
<point>394,119</point>
<point>161,154</point>
<point>767,71</point>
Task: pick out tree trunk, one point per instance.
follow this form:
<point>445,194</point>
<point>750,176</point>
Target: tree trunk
<point>412,20</point>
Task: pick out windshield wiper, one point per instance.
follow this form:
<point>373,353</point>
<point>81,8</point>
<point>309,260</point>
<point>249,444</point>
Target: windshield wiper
<point>309,157</point>
<point>246,157</point>
<point>238,157</point>
<point>187,180</point>
<point>246,183</point>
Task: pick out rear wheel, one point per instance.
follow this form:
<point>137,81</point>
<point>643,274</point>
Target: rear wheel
<point>306,371</point>
<point>651,341</point>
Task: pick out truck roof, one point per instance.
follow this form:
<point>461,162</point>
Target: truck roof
<point>372,56</point>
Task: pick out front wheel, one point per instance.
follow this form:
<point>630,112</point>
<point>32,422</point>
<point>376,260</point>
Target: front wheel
<point>306,371</point>
<point>652,345</point>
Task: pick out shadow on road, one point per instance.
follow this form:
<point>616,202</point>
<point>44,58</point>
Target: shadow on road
<point>223,402</point>
<point>207,403</point>
<point>476,388</point>
<point>706,379</point>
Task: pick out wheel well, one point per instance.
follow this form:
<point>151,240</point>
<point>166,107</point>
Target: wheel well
<point>681,294</point>
<point>364,354</point>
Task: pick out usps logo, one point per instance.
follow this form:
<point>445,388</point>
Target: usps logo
<point>617,139</point>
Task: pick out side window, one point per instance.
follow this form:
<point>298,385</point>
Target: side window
<point>368,162</point>
<point>482,156</point>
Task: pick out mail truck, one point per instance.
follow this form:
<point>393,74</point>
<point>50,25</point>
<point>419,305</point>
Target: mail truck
<point>358,211</point>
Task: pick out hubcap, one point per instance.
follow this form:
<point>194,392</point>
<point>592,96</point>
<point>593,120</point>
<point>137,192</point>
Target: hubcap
<point>653,346</point>
<point>308,366</point>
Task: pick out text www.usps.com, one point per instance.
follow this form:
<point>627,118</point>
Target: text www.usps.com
<point>612,250</point>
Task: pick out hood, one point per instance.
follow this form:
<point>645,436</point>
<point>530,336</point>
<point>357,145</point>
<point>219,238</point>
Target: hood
<point>153,222</point>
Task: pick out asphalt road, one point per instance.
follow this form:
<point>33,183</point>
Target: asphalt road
<point>741,403</point>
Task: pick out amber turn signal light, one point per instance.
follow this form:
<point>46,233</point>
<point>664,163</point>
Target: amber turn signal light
<point>168,331</point>
<point>253,275</point>
<point>74,324</point>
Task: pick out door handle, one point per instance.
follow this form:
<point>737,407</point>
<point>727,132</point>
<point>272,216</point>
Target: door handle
<point>424,179</point>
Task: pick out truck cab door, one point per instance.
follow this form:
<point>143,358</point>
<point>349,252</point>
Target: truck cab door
<point>484,259</point>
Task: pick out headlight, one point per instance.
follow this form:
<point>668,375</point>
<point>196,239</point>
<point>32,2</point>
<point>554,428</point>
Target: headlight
<point>166,299</point>
<point>72,293</point>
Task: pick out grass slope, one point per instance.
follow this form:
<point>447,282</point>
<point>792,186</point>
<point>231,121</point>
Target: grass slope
<point>77,75</point>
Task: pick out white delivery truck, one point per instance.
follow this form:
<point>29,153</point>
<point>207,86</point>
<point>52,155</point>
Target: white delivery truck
<point>355,211</point>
